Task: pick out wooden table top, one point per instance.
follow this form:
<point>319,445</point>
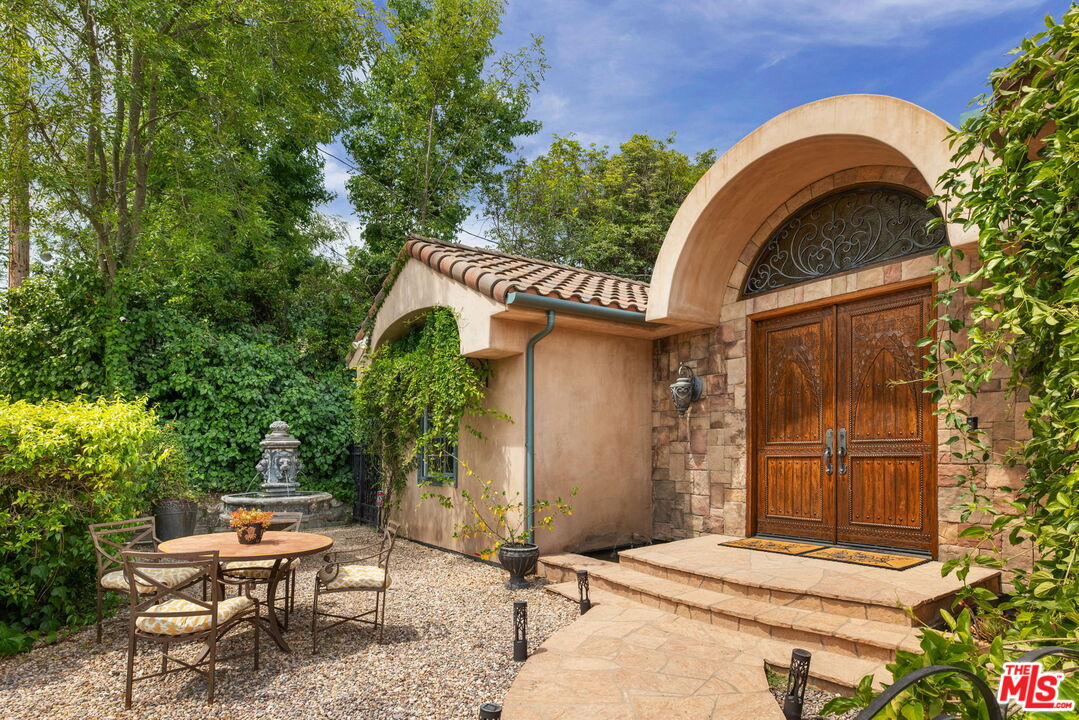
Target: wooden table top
<point>275,544</point>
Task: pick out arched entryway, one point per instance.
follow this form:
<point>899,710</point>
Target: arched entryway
<point>863,311</point>
<point>843,436</point>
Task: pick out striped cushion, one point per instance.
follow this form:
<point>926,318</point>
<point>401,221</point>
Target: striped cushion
<point>359,576</point>
<point>254,569</point>
<point>167,576</point>
<point>226,610</point>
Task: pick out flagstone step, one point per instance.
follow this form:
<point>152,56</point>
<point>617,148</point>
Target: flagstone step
<point>909,597</point>
<point>828,670</point>
<point>811,628</point>
<point>624,660</point>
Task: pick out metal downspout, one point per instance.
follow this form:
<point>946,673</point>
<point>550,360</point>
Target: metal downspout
<point>530,426</point>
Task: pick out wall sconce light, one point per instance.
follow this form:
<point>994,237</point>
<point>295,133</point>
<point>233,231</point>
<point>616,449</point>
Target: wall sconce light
<point>686,389</point>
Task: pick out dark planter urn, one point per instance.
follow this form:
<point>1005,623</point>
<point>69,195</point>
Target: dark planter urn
<point>174,518</point>
<point>518,561</point>
<point>250,534</point>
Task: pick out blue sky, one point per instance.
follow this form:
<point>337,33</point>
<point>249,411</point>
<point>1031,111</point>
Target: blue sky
<point>713,70</point>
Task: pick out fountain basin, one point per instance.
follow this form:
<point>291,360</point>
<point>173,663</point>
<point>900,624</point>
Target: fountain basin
<point>319,508</point>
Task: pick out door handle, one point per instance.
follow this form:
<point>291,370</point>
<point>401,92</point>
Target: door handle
<point>828,440</point>
<point>842,451</point>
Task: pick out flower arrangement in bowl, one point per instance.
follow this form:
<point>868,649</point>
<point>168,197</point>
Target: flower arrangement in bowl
<point>250,524</point>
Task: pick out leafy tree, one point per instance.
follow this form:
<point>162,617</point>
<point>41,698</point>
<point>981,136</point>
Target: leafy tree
<point>1021,300</point>
<point>581,205</point>
<point>435,116</point>
<point>153,118</point>
<point>15,133</point>
<point>174,167</point>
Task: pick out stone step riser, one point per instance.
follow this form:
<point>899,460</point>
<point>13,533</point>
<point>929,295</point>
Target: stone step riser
<point>802,637</point>
<point>836,606</point>
<point>828,671</point>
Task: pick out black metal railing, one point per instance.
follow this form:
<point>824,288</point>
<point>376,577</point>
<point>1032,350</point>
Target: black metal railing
<point>985,694</point>
<point>367,477</point>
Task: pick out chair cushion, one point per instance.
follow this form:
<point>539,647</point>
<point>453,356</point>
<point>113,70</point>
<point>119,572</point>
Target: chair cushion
<point>226,610</point>
<point>359,576</point>
<point>167,576</point>
<point>252,569</point>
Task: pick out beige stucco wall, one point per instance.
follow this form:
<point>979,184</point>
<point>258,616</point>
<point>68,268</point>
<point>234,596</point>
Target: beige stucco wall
<point>593,433</point>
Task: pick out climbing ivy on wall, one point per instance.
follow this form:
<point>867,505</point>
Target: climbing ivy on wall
<point>1012,319</point>
<point>421,371</point>
<point>1020,189</point>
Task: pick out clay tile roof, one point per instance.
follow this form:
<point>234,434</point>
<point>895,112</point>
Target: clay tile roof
<point>496,275</point>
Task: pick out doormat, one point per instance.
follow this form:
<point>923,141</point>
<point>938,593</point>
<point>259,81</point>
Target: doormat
<point>783,547</point>
<point>867,557</point>
<point>854,556</point>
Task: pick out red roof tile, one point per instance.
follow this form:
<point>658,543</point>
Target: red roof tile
<point>498,274</point>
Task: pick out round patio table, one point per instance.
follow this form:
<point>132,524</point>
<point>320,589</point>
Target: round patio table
<point>275,544</point>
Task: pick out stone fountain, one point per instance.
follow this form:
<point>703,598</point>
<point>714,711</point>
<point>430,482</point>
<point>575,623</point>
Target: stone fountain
<point>280,492</point>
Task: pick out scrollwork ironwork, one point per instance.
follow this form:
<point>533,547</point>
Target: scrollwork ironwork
<point>844,231</point>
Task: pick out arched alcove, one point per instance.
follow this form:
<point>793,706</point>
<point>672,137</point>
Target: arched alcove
<point>776,166</point>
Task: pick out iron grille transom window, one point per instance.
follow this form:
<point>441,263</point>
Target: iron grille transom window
<point>846,230</point>
<point>438,459</point>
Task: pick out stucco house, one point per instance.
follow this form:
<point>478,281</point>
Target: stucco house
<point>795,281</point>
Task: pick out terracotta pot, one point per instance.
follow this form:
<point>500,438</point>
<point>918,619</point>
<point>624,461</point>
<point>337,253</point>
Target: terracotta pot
<point>518,561</point>
<point>250,534</point>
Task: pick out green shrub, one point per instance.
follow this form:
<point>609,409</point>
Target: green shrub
<point>223,389</point>
<point>220,387</point>
<point>64,466</point>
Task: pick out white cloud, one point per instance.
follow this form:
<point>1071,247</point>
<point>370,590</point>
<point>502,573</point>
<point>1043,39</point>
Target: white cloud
<point>334,174</point>
<point>846,22</point>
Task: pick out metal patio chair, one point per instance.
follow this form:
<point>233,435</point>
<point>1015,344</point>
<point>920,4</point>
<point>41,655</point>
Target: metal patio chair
<point>259,572</point>
<point>111,540</point>
<point>170,615</point>
<point>345,571</point>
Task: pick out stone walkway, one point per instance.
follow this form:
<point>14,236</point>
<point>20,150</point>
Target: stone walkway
<point>625,661</point>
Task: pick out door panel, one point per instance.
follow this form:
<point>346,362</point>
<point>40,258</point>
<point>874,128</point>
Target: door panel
<point>794,488</point>
<point>853,369</point>
<point>886,495</point>
<point>795,378</point>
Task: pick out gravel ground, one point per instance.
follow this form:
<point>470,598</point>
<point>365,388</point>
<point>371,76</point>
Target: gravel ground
<point>448,648</point>
<point>814,701</point>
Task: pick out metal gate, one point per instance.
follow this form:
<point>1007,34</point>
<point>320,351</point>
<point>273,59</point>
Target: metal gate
<point>367,477</point>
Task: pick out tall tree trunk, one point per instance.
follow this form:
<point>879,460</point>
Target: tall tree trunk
<point>18,156</point>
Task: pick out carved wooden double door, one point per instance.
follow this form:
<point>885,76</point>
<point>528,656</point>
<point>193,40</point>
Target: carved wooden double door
<point>844,436</point>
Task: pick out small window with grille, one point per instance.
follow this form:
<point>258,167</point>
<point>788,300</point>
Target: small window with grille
<point>438,460</point>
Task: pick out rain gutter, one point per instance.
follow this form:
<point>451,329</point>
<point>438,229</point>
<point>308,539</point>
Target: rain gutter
<point>551,306</point>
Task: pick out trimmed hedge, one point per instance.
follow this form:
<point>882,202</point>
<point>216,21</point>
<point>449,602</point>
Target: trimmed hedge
<point>63,466</point>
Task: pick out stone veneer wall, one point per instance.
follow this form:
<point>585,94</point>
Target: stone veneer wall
<point>699,468</point>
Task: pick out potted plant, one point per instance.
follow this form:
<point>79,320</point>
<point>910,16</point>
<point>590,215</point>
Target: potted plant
<point>250,524</point>
<point>500,519</point>
<point>172,499</point>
